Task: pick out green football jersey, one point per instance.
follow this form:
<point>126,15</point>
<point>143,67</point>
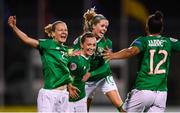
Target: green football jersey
<point>153,61</point>
<point>54,60</point>
<point>99,68</point>
<point>79,66</point>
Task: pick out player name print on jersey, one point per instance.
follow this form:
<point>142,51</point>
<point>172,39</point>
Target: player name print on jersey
<point>156,43</point>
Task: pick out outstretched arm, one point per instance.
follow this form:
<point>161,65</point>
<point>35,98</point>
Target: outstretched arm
<point>122,54</point>
<point>21,35</point>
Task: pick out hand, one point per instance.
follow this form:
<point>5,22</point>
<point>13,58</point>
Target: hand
<point>107,54</point>
<point>86,77</point>
<point>75,53</point>
<point>73,91</point>
<point>12,21</point>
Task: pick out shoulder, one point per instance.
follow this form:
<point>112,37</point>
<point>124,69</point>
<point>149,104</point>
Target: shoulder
<point>74,59</point>
<point>173,39</point>
<point>44,43</point>
<point>139,39</point>
<point>73,62</point>
<point>45,40</point>
<point>107,38</point>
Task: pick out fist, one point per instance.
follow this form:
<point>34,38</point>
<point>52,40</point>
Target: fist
<point>12,21</point>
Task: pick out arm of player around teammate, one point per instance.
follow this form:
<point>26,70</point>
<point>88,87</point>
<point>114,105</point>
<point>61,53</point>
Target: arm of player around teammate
<point>122,54</point>
<point>21,35</point>
<point>99,71</point>
<point>73,91</point>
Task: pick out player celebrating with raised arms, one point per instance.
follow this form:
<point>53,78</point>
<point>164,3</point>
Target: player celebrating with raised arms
<point>53,97</point>
<point>154,51</point>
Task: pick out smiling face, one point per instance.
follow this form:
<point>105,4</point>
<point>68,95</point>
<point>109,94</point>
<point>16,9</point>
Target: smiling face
<point>88,46</point>
<point>60,32</point>
<point>100,28</point>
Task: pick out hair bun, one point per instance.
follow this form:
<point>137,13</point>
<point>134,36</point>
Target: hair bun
<point>90,13</point>
<point>158,15</point>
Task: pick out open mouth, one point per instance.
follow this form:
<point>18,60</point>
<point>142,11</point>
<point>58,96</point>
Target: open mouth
<point>91,51</point>
<point>101,34</point>
<point>64,37</point>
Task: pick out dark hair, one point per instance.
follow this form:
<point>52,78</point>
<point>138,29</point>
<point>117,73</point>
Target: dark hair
<point>155,22</point>
<point>86,35</point>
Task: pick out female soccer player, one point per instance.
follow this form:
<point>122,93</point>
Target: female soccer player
<point>79,66</point>
<point>154,51</point>
<point>100,74</point>
<point>53,97</point>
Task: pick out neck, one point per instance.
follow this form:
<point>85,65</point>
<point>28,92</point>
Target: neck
<point>58,41</point>
<point>154,34</point>
<point>83,54</point>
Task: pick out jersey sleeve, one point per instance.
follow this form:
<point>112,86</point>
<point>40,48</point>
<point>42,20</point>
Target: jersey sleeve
<point>76,44</point>
<point>175,43</point>
<point>73,63</point>
<point>109,44</point>
<point>101,70</point>
<point>139,42</point>
<point>43,44</point>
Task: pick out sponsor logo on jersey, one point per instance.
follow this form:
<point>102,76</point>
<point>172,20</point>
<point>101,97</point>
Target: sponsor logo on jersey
<point>73,66</point>
<point>100,49</point>
<point>156,43</point>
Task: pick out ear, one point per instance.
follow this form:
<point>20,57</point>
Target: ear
<point>81,45</point>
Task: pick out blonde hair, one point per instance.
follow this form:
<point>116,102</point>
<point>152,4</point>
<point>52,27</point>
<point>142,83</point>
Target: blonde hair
<point>91,18</point>
<point>50,28</point>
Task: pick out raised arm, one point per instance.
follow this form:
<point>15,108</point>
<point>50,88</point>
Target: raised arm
<point>21,35</point>
<point>122,54</point>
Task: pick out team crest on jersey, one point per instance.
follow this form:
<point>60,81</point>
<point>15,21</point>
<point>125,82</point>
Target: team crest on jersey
<point>100,49</point>
<point>173,39</point>
<point>73,66</point>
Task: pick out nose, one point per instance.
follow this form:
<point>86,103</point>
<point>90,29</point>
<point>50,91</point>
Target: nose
<point>65,32</point>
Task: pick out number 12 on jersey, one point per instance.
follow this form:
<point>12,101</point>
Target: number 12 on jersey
<point>156,69</point>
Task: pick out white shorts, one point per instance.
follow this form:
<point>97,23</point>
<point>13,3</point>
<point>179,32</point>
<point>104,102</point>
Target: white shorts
<point>145,101</point>
<point>53,100</point>
<point>78,106</point>
<point>105,84</point>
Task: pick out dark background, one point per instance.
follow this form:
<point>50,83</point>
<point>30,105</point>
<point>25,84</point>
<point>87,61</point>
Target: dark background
<point>20,82</point>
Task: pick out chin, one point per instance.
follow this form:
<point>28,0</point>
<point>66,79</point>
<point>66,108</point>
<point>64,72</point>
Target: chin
<point>101,36</point>
<point>89,54</point>
<point>63,41</point>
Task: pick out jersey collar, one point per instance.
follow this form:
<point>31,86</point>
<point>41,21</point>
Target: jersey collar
<point>84,57</point>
